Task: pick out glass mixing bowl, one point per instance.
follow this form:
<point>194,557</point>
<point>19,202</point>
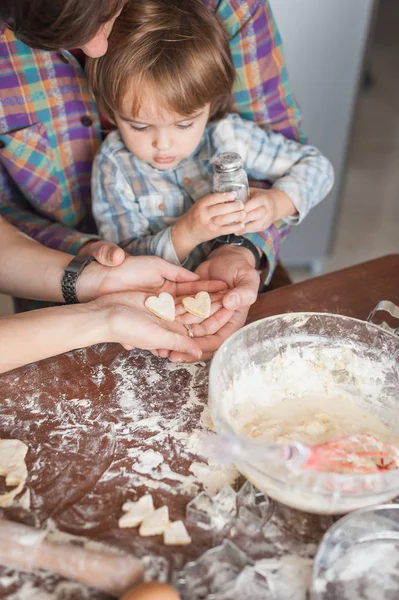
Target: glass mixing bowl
<point>287,358</point>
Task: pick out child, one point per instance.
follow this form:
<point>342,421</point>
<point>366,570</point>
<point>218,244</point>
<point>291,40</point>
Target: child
<point>166,82</point>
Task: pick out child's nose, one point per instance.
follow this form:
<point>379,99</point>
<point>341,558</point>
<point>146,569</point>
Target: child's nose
<point>162,141</point>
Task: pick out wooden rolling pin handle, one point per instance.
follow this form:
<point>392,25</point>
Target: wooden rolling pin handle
<point>24,548</point>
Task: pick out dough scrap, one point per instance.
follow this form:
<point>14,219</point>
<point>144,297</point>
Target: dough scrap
<point>200,306</point>
<point>136,512</point>
<point>176,535</point>
<point>153,522</point>
<point>163,306</point>
<point>156,523</point>
<point>13,468</point>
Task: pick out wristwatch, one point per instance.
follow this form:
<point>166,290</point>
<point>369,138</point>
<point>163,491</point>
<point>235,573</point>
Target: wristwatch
<point>71,274</point>
<point>237,240</point>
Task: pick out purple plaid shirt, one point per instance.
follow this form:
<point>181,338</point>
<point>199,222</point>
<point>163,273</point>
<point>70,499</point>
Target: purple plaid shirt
<point>50,130</point>
<point>49,134</point>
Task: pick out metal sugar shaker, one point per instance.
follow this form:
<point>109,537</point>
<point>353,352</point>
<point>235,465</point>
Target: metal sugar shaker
<point>229,176</point>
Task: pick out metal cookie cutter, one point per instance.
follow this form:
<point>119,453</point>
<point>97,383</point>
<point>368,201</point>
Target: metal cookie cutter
<point>389,307</point>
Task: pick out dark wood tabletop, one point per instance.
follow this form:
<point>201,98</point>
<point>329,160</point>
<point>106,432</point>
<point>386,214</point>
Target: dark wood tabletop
<point>104,425</point>
<point>352,292</point>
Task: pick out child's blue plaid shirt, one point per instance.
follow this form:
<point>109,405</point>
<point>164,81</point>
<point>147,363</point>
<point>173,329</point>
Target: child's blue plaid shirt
<point>136,205</point>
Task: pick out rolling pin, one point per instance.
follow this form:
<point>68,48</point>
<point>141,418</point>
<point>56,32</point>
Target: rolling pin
<point>26,549</point>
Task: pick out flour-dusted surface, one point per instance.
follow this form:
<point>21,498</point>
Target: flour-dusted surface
<point>105,426</point>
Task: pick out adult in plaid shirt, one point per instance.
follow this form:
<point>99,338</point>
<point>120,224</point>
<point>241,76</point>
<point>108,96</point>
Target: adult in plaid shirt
<point>50,129</point>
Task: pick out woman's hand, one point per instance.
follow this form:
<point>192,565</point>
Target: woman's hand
<point>136,273</point>
<point>129,323</point>
<point>106,253</point>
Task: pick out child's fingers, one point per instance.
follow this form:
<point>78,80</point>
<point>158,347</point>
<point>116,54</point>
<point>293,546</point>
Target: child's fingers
<point>227,208</point>
<point>230,219</point>
<point>259,214</point>
<point>256,226</point>
<point>237,228</point>
<point>254,203</point>
<point>218,198</point>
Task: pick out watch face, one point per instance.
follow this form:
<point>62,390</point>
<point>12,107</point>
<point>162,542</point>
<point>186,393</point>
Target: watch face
<point>235,240</point>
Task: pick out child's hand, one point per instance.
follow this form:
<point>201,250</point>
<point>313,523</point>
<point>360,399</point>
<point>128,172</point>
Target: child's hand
<point>212,216</point>
<point>265,207</point>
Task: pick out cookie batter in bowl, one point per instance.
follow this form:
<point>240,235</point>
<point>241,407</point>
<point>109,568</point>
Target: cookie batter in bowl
<point>309,377</point>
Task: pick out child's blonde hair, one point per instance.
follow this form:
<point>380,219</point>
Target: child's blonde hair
<point>174,49</point>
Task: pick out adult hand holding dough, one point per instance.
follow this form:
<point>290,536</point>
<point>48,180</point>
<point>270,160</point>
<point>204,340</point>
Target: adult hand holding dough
<point>30,270</point>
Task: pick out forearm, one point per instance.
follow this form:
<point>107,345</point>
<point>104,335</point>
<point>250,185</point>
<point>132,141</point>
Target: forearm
<point>281,204</point>
<point>182,241</point>
<point>30,270</point>
<point>33,336</point>
<point>306,183</point>
<point>159,244</point>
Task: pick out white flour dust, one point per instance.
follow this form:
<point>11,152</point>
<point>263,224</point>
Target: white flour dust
<point>310,396</point>
<point>142,418</point>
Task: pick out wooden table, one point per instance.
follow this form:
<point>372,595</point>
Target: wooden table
<point>104,425</point>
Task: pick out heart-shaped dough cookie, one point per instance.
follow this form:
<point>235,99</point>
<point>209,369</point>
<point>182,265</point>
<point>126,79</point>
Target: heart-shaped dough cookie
<point>200,306</point>
<point>163,306</point>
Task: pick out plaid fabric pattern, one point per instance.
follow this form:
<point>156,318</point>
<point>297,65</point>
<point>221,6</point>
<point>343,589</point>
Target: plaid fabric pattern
<point>261,91</point>
<point>49,134</point>
<point>136,205</point>
<point>46,152</point>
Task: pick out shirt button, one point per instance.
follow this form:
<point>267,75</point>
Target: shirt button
<point>62,57</point>
<point>86,120</point>
<point>161,207</point>
<point>187,180</point>
<point>2,144</point>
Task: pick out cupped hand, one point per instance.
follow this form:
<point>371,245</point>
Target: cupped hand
<point>129,323</point>
<point>235,266</point>
<point>144,273</point>
<point>140,273</point>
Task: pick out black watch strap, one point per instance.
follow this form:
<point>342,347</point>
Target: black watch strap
<point>71,274</point>
<point>237,240</point>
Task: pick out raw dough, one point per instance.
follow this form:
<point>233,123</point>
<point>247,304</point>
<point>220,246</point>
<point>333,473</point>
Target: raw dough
<point>13,468</point>
<point>176,535</point>
<point>156,523</point>
<point>200,306</point>
<point>153,522</point>
<point>163,306</point>
<point>136,512</point>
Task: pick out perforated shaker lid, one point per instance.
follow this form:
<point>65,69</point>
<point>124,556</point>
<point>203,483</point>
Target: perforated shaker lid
<point>227,162</point>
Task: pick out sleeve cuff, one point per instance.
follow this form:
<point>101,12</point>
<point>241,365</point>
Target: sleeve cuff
<point>163,247</point>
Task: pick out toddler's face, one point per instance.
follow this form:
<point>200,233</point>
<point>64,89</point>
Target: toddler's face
<point>161,138</point>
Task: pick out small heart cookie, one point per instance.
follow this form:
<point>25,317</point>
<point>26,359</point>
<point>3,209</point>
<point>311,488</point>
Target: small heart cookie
<point>163,306</point>
<point>200,306</point>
